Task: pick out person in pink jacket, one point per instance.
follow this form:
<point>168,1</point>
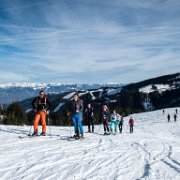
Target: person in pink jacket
<point>131,124</point>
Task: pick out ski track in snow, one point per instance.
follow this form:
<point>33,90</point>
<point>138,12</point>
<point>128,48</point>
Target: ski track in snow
<point>151,152</point>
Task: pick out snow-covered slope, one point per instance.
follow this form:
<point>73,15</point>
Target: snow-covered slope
<point>158,87</point>
<point>151,152</point>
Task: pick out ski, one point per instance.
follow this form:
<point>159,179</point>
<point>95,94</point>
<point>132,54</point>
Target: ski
<point>28,136</point>
<point>71,138</point>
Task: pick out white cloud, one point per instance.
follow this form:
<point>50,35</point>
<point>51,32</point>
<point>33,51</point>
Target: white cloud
<point>75,38</point>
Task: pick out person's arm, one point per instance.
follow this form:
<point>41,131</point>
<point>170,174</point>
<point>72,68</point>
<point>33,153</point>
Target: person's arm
<point>48,108</point>
<point>92,113</point>
<point>81,108</point>
<point>33,103</point>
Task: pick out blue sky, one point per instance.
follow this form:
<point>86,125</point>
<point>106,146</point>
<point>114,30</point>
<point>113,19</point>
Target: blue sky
<point>88,41</point>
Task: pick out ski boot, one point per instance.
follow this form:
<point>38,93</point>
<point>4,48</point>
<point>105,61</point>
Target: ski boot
<point>35,133</point>
<point>43,134</point>
<point>81,136</point>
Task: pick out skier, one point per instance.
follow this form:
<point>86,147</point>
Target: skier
<point>89,115</point>
<point>41,106</point>
<point>76,108</point>
<point>163,111</point>
<point>175,117</point>
<point>121,123</point>
<point>176,111</point>
<point>115,118</point>
<point>105,119</point>
<point>131,124</point>
<point>168,117</point>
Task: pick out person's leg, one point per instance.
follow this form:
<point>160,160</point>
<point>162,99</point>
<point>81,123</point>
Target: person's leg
<point>43,121</point>
<point>120,128</point>
<point>74,123</point>
<point>104,125</point>
<point>92,120</point>
<point>36,122</point>
<point>116,126</point>
<point>107,125</point>
<point>80,123</point>
<point>132,128</point>
<point>89,125</point>
<point>111,125</point>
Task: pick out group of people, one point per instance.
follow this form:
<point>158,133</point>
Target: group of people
<point>169,116</point>
<point>111,122</point>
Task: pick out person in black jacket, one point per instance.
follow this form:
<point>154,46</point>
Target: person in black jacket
<point>175,117</point>
<point>168,117</point>
<point>105,119</point>
<point>41,106</point>
<point>89,115</point>
<point>121,122</point>
<point>76,108</point>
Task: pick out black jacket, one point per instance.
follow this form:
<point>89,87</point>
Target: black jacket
<point>89,113</point>
<point>78,105</point>
<point>41,104</point>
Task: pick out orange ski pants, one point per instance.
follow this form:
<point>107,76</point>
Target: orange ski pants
<point>40,115</point>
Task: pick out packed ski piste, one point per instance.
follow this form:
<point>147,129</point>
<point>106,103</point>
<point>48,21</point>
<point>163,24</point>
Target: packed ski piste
<point>139,146</point>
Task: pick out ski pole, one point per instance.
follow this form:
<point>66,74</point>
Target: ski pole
<point>48,121</point>
<point>70,128</point>
<point>29,134</point>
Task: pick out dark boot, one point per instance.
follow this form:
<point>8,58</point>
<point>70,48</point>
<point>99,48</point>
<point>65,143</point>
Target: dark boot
<point>43,134</point>
<point>35,133</point>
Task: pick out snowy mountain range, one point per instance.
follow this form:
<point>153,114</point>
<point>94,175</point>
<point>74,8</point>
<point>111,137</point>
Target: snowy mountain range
<point>19,91</point>
<point>156,93</point>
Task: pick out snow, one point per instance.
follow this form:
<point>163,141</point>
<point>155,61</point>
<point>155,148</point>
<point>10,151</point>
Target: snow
<point>151,152</point>
<point>70,95</point>
<point>83,93</point>
<point>160,88</point>
<point>112,92</point>
<point>58,107</point>
<point>92,95</point>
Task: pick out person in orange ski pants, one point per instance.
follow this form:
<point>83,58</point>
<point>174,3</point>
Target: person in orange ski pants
<point>41,106</point>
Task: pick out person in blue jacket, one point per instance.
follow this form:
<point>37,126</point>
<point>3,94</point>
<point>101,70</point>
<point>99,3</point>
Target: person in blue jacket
<point>76,108</point>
